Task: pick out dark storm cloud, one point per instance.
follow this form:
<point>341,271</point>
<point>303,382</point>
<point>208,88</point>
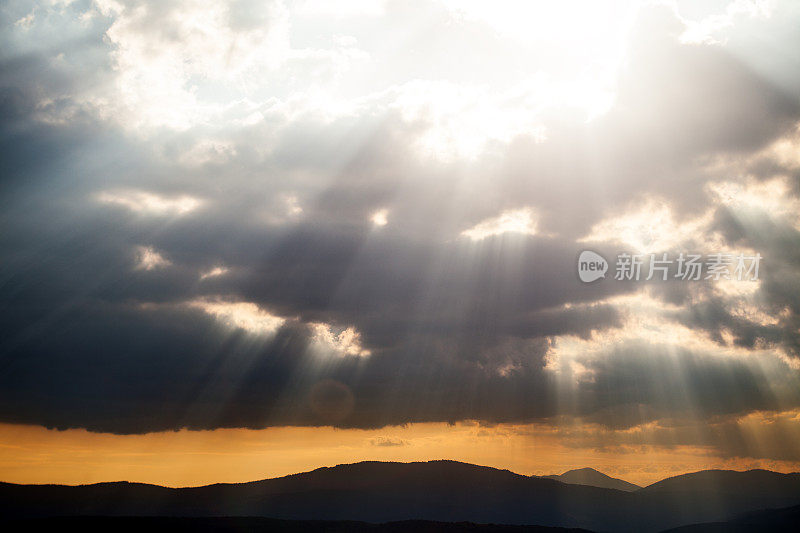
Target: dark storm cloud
<point>727,436</point>
<point>679,384</point>
<point>456,329</point>
<point>777,300</point>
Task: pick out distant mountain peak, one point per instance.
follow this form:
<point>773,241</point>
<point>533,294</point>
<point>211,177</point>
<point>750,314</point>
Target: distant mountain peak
<point>594,478</point>
<point>585,469</point>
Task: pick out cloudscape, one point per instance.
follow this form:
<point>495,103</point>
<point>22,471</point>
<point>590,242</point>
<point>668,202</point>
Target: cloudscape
<point>244,239</point>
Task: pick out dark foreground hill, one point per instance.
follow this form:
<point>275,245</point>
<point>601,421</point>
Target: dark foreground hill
<point>706,496</point>
<point>256,524</point>
<point>773,520</point>
<point>444,491</point>
<point>593,478</point>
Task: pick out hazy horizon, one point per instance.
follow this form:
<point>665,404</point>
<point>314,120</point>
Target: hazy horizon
<point>432,460</point>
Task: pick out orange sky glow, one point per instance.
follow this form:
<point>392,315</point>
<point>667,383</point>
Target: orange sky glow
<point>34,454</point>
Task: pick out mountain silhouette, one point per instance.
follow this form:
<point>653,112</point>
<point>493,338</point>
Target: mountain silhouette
<point>785,520</point>
<point>714,493</point>
<point>754,482</point>
<point>445,491</point>
<point>593,478</point>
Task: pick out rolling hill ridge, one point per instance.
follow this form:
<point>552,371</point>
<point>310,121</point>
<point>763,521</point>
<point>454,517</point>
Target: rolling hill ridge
<point>445,491</point>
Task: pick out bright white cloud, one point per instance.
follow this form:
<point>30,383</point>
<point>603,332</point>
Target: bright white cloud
<point>185,63</point>
<point>649,226</point>
<point>586,37</point>
<point>520,221</point>
<point>708,29</point>
<point>345,343</point>
<point>458,120</point>
<point>148,258</point>
<point>292,204</point>
<point>241,315</point>
<point>772,198</point>
<point>214,272</point>
<point>380,217</point>
<point>208,151</point>
<point>248,316</point>
<point>148,203</point>
<point>786,150</point>
<point>340,8</point>
<point>26,21</point>
<point>180,63</point>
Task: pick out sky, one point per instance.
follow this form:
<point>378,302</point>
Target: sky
<point>243,238</point>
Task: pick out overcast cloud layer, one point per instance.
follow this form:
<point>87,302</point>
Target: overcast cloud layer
<point>286,213</point>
